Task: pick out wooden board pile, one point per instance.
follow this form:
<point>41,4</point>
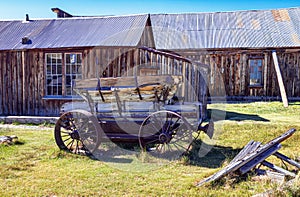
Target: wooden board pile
<point>137,88</point>
<point>255,154</point>
<point>8,140</point>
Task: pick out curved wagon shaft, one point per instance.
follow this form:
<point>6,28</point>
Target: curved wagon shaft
<point>150,111</point>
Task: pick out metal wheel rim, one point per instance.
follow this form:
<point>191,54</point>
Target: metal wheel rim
<point>77,131</point>
<point>176,132</point>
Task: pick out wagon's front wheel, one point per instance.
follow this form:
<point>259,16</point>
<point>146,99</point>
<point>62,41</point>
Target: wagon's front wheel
<point>77,131</point>
<point>165,135</point>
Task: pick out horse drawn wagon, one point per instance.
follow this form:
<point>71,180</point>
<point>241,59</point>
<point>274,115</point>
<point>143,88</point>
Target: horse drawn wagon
<point>151,111</point>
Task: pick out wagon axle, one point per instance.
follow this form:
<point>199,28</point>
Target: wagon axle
<point>75,135</point>
<point>164,138</point>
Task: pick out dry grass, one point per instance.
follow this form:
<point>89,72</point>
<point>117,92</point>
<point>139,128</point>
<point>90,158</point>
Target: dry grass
<point>35,166</point>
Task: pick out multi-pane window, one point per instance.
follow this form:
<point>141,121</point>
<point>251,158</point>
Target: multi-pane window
<point>61,74</point>
<point>256,72</point>
<point>54,73</point>
<point>73,70</point>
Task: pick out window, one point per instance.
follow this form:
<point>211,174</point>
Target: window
<point>73,70</point>
<point>54,73</point>
<point>61,74</point>
<point>256,72</point>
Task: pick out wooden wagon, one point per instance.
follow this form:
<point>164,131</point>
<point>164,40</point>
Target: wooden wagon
<point>147,110</point>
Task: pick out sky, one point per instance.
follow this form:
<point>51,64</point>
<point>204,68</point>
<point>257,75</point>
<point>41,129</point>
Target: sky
<point>17,9</point>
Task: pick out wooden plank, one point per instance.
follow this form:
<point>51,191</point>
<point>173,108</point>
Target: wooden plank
<point>280,80</point>
<point>14,83</point>
<point>5,81</point>
<point>1,84</point>
<point>9,83</point>
<point>166,54</point>
<point>278,169</point>
<point>261,157</point>
<point>287,159</point>
<point>234,166</point>
<point>249,148</point>
<point>265,78</point>
<point>127,81</point>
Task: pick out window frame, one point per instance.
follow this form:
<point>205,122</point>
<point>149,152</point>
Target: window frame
<point>257,70</point>
<point>64,74</point>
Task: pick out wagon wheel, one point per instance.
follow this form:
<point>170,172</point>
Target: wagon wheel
<point>77,131</point>
<point>165,135</point>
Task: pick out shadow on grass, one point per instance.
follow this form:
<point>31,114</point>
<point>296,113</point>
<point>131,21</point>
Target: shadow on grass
<point>213,157</point>
<point>217,115</point>
<point>200,154</point>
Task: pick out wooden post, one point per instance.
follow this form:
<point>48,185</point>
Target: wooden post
<point>265,78</point>
<point>280,81</point>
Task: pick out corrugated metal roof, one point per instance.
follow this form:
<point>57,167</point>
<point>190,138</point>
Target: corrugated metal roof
<point>241,29</point>
<point>73,32</point>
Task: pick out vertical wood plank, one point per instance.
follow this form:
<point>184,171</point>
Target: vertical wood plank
<point>280,80</point>
<point>1,84</point>
<point>24,82</point>
<point>265,75</point>
<point>5,96</point>
<point>41,84</point>
<point>14,86</point>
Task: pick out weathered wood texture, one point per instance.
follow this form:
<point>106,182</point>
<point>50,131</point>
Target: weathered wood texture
<point>248,158</point>
<point>230,72</point>
<point>121,89</point>
<point>23,75</point>
<point>22,84</point>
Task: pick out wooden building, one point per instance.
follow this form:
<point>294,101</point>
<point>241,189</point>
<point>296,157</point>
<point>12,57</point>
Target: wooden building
<point>250,54</point>
<point>40,59</point>
<point>240,48</point>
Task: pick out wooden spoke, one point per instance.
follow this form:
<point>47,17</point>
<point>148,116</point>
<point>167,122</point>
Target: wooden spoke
<point>165,134</point>
<point>77,131</point>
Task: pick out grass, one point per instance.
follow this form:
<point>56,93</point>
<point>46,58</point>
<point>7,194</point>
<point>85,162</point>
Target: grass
<point>35,166</point>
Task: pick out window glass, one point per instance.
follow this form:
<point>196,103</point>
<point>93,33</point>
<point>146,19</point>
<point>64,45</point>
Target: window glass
<point>57,77</point>
<point>256,71</point>
<point>73,70</point>
<point>54,74</point>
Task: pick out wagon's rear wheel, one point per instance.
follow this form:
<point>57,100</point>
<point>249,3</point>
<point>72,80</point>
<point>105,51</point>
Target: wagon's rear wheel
<point>77,131</point>
<point>165,135</point>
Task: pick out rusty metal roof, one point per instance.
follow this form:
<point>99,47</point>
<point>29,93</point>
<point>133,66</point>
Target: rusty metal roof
<point>218,30</point>
<point>72,32</point>
<point>240,29</point>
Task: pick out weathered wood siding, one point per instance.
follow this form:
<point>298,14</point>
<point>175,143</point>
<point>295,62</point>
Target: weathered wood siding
<point>230,74</point>
<point>23,75</point>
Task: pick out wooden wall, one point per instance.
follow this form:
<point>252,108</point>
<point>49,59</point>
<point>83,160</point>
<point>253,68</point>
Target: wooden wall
<point>22,74</point>
<point>22,77</point>
<point>23,80</point>
<point>229,72</point>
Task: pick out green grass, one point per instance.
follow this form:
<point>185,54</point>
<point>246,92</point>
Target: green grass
<point>35,166</point>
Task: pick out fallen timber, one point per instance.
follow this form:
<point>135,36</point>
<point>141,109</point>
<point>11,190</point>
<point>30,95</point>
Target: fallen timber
<point>253,154</point>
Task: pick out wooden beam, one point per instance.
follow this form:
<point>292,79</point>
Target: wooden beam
<point>260,158</point>
<point>128,81</point>
<point>280,80</point>
<point>251,156</point>
<point>278,169</point>
<point>287,159</point>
